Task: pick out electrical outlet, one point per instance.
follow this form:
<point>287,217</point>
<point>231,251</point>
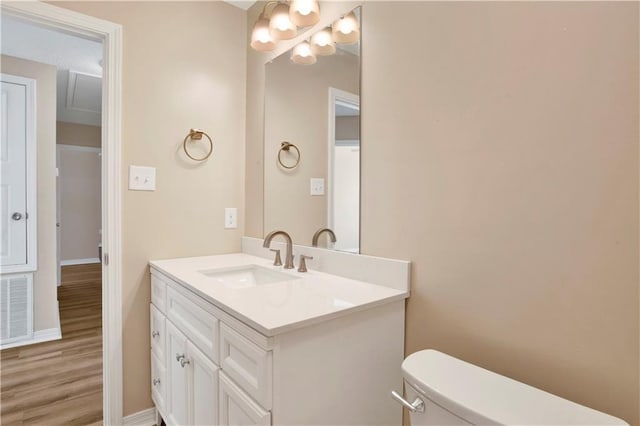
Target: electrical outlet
<point>317,186</point>
<point>231,218</point>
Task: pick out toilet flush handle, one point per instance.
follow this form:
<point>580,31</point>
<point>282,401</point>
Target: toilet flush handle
<point>417,406</point>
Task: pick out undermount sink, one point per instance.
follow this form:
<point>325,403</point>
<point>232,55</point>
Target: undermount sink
<point>246,276</point>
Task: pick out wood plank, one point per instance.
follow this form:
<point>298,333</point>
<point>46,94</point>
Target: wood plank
<point>60,382</point>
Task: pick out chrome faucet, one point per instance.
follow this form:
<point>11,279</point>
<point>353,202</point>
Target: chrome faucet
<point>332,236</point>
<point>288,257</point>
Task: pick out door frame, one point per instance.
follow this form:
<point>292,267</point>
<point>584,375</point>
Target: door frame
<point>110,34</point>
<point>31,185</point>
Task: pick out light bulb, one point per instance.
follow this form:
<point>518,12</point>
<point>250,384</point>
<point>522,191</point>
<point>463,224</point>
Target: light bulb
<point>322,43</point>
<point>345,29</point>
<point>302,54</point>
<point>261,39</point>
<point>280,25</point>
<point>304,13</point>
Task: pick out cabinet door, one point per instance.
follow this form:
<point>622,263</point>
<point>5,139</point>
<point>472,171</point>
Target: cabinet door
<point>237,408</point>
<point>158,334</point>
<point>177,389</point>
<point>203,386</point>
<point>158,384</point>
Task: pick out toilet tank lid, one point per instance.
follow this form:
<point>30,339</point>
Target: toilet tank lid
<point>481,396</point>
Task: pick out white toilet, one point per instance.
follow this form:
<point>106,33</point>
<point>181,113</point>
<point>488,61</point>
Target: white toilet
<point>442,390</point>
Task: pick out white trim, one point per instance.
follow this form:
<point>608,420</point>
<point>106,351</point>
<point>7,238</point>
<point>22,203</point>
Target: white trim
<point>31,185</point>
<point>335,95</point>
<point>79,261</point>
<point>39,336</point>
<point>66,147</point>
<point>141,418</point>
<point>111,36</point>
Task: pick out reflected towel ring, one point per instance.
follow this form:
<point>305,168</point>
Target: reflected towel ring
<point>285,146</point>
<point>196,135</point>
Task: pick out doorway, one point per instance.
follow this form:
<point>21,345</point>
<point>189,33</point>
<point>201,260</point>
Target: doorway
<point>344,169</point>
<point>110,35</point>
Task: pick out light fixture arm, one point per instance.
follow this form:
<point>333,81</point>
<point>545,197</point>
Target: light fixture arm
<point>263,14</point>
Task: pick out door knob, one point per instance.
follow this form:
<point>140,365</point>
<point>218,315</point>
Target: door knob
<point>16,216</point>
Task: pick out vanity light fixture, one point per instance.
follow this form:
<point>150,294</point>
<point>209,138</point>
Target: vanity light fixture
<point>302,54</point>
<point>304,13</point>
<point>261,39</point>
<point>345,29</point>
<point>282,22</point>
<point>280,25</point>
<point>322,43</point>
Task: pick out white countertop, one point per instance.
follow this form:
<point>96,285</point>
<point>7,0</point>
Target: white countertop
<point>271,309</point>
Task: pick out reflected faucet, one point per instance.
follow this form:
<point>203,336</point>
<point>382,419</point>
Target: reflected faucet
<point>288,257</point>
<point>332,236</point>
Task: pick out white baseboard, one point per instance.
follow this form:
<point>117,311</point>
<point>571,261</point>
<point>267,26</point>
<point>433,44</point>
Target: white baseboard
<point>79,261</point>
<point>141,418</point>
<point>38,337</point>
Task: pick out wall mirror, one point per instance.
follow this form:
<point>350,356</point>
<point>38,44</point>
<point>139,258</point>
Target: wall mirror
<point>312,143</point>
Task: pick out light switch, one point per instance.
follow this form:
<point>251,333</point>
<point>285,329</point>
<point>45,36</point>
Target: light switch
<point>231,218</point>
<point>142,178</point>
<point>317,186</point>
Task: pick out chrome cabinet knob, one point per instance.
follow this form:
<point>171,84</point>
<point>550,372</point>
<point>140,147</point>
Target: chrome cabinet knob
<point>155,334</point>
<point>179,357</point>
<point>16,216</point>
<point>184,361</point>
<point>417,406</point>
<point>156,382</point>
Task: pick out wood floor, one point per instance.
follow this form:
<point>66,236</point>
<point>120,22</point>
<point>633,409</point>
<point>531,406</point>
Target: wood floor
<point>59,382</point>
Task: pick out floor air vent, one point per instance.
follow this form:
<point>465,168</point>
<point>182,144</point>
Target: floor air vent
<point>16,307</point>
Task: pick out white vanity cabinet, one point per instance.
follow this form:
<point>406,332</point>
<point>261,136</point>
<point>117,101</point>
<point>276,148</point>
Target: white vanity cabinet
<point>210,367</point>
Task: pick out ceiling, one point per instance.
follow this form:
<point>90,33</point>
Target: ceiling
<point>241,3</point>
<point>78,61</point>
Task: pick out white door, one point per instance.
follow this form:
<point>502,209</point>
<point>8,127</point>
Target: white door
<point>177,390</point>
<point>203,375</point>
<point>17,188</point>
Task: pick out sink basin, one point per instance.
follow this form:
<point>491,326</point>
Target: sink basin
<point>246,276</point>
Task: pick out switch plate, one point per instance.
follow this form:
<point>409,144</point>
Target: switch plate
<point>142,178</point>
<point>230,218</point>
<point>317,186</point>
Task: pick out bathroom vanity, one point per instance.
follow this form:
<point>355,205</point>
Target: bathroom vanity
<point>238,341</point>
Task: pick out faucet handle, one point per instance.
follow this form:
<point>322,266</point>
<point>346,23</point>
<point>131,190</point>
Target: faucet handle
<point>302,267</point>
<point>277,261</point>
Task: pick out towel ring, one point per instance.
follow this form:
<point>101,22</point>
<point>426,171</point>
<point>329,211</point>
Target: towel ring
<point>196,135</point>
<point>285,146</point>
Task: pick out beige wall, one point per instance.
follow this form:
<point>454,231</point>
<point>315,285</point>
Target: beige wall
<point>511,183</point>
<point>45,296</point>
<point>80,190</point>
<point>296,110</point>
<point>78,134</point>
<point>184,66</point>
<point>80,202</point>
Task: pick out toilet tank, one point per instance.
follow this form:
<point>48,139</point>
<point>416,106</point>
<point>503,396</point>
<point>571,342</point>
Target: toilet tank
<point>455,392</point>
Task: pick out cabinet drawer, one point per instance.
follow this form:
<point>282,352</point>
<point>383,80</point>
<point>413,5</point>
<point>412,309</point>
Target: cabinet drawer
<point>159,293</point>
<point>158,384</point>
<point>198,325</point>
<point>249,365</point>
<point>158,334</point>
<point>236,408</point>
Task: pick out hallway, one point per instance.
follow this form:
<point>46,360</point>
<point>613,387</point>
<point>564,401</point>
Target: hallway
<point>60,382</point>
